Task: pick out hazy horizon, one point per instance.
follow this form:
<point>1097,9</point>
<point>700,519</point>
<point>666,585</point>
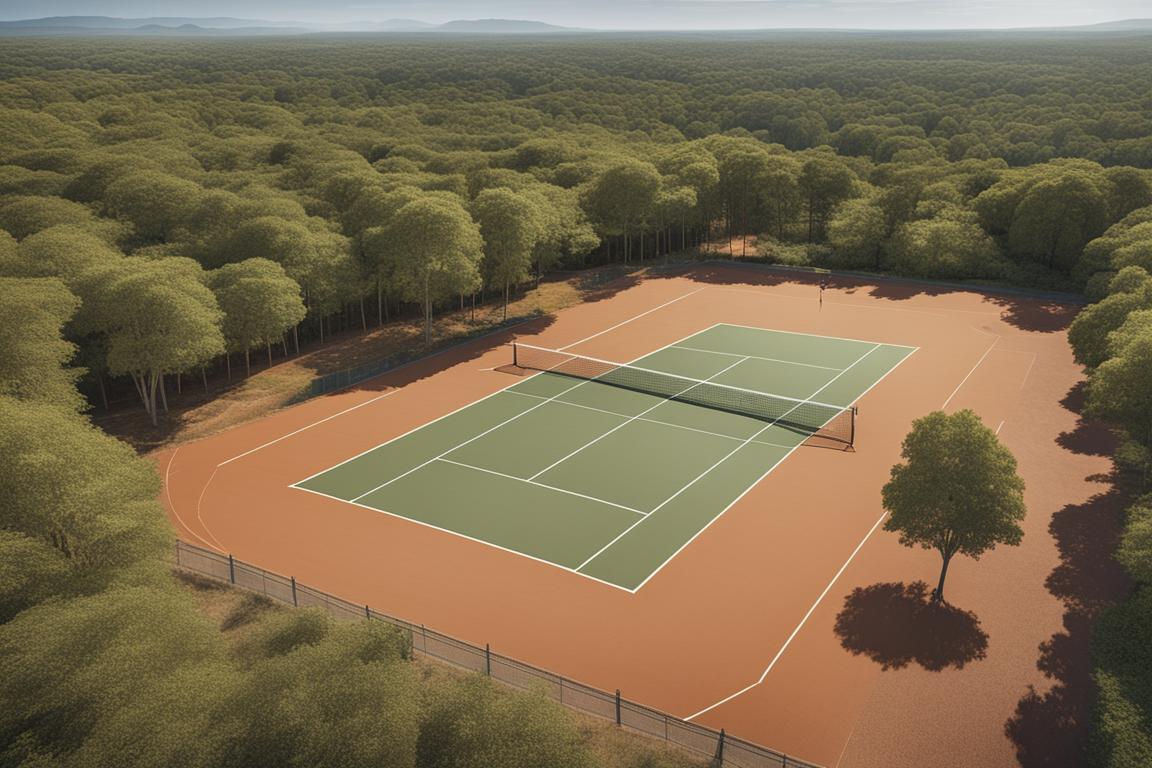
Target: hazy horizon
<point>623,14</point>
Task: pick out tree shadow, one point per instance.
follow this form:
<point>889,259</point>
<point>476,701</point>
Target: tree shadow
<point>1051,728</point>
<point>1038,311</point>
<point>1091,438</point>
<point>896,624</point>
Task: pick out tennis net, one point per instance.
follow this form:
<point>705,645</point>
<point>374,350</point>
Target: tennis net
<point>808,417</point>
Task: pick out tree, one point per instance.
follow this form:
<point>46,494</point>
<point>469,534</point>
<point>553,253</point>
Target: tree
<point>327,693</point>
<point>824,182</point>
<point>64,251</point>
<point>1056,218</point>
<point>32,367</point>
<point>1130,291</point>
<point>510,226</point>
<point>156,203</point>
<point>621,198</point>
<point>472,724</point>
<point>80,492</point>
<point>260,304</point>
<point>1120,389</point>
<point>158,317</point>
<point>942,247</point>
<point>957,491</point>
<point>857,231</point>
<point>132,676</point>
<point>437,249</point>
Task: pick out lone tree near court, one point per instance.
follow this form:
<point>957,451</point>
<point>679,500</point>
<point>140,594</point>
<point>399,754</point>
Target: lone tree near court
<point>957,491</point>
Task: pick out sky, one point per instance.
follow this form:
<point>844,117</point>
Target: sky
<point>625,14</point>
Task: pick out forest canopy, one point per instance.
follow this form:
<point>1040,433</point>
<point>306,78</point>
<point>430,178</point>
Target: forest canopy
<point>288,187</point>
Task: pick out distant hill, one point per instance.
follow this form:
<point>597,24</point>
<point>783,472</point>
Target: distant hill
<point>1126,25</point>
<point>223,26</point>
<point>501,26</point>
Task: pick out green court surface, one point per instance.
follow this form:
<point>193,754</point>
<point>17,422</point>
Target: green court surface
<point>600,479</point>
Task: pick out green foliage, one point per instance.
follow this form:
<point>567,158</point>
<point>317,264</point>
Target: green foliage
<point>326,694</point>
<point>130,677</point>
<point>81,492</point>
<point>472,725</point>
<point>32,368</point>
<point>957,490</point>
<point>1135,551</point>
<point>435,252</point>
<point>1120,389</point>
<point>942,247</point>
<point>510,226</point>
<point>1123,675</point>
<point>1129,291</point>
<point>259,301</point>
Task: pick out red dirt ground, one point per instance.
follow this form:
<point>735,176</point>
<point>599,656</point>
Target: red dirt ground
<point>872,677</point>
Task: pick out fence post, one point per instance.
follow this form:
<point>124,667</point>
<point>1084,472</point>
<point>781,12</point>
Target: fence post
<point>231,569</point>
<point>718,761</point>
<point>488,659</point>
<point>617,706</point>
<point>295,604</point>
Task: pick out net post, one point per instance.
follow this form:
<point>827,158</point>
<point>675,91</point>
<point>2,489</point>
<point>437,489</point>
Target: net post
<point>852,429</point>
<point>515,355</point>
<point>231,569</point>
<point>488,659</point>
<point>295,603</point>
<point>617,706</point>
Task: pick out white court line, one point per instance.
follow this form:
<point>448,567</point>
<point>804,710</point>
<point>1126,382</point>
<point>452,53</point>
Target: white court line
<point>199,501</point>
<point>650,421</point>
<point>469,538</point>
<point>756,357</point>
<point>313,424</point>
<point>172,506</point>
<point>451,413</point>
<point>760,479</point>
<point>634,317</point>
<point>962,381</point>
<point>1028,372</point>
<point>542,485</point>
<point>469,440</point>
<point>799,626</point>
<point>633,418</point>
<point>725,458</point>
<point>1000,427</point>
<point>815,336</point>
<point>466,442</point>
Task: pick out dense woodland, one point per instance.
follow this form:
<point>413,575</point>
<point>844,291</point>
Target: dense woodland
<point>171,208</point>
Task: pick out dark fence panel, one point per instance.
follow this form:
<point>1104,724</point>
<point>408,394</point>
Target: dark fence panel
<point>725,751</point>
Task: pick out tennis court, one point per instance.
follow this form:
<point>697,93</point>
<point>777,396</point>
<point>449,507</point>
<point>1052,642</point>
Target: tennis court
<point>606,469</point>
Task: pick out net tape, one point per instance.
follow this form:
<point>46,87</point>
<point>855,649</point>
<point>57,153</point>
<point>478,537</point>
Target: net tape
<point>809,417</point>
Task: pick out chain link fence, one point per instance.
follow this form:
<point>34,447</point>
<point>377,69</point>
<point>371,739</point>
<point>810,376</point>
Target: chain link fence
<point>724,751</point>
<point>337,380</point>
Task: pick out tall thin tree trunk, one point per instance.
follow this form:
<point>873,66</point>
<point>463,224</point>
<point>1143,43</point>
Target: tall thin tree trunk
<point>179,387</point>
<point>270,351</point>
<point>505,299</point>
<point>164,392</point>
<point>204,377</point>
<point>103,391</point>
<point>296,337</point>
<point>247,362</point>
<point>363,318</point>
<point>379,302</point>
<point>228,364</point>
<point>938,593</point>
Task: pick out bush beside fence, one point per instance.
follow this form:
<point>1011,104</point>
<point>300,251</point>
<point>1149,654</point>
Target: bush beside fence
<point>724,751</point>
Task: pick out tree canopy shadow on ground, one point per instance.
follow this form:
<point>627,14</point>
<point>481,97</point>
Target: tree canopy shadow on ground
<point>896,624</point>
<point>1029,313</point>
<point>1051,727</point>
<point>1091,438</point>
